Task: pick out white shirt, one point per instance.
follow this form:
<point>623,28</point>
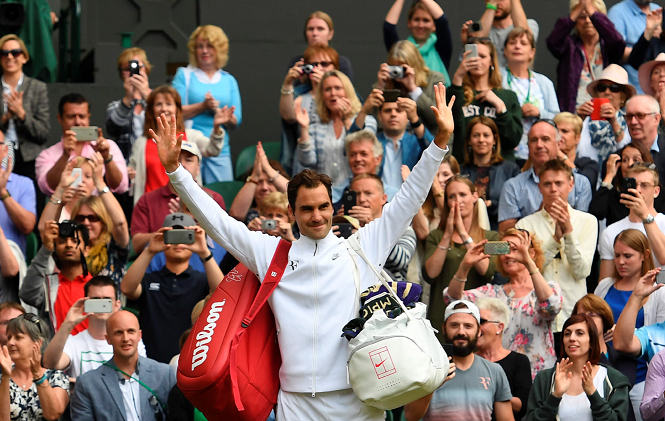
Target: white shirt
<point>87,353</point>
<point>11,128</point>
<point>578,408</point>
<point>131,393</point>
<point>606,243</point>
<point>575,251</point>
<point>392,167</point>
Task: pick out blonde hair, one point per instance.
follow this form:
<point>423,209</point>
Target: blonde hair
<point>322,110</point>
<point>494,81</point>
<point>129,54</point>
<point>406,52</point>
<point>638,242</point>
<point>570,118</point>
<point>275,200</point>
<point>216,37</point>
<point>477,233</point>
<point>12,37</point>
<point>598,4</point>
<point>98,256</point>
<point>539,258</point>
<point>318,15</point>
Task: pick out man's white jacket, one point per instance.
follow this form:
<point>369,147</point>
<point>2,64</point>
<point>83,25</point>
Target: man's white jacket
<point>317,295</point>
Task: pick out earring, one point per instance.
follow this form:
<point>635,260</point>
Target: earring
<point>494,148</point>
<point>491,68</point>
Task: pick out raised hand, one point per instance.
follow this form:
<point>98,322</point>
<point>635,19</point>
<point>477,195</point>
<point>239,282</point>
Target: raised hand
<point>645,286</point>
<point>200,245</point>
<point>612,166</point>
<point>102,145</point>
<point>223,116</point>
<point>168,142</point>
<point>587,379</point>
<point>294,73</point>
<point>6,363</point>
<point>75,315</point>
<point>301,115</point>
<point>654,21</point>
<point>373,101</point>
<point>51,232</point>
<point>444,116</point>
<point>522,247</point>
<point>36,361</point>
<point>475,254</point>
<point>562,377</point>
<point>97,163</point>
<point>156,243</point>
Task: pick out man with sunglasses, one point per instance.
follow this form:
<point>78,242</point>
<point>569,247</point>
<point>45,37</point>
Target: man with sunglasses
<point>54,293</point>
<point>643,118</point>
<point>521,194</point>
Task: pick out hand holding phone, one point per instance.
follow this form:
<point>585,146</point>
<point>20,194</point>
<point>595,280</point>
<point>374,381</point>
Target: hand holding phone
<point>628,183</point>
<point>179,236</point>
<point>497,248</point>
<point>349,200</point>
<point>473,48</point>
<point>85,134</point>
<point>76,172</point>
<point>98,305</point>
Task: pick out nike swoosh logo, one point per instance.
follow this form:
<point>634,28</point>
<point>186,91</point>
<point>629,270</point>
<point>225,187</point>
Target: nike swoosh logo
<point>376,365</point>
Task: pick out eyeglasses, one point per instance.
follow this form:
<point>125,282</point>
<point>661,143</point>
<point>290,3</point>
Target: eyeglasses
<point>639,116</point>
<point>472,40</point>
<point>81,218</point>
<point>590,314</point>
<point>615,87</point>
<point>483,321</point>
<point>546,120</point>
<point>15,53</point>
<point>321,63</point>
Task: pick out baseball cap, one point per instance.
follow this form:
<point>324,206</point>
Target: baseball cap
<point>192,148</point>
<point>471,309</point>
<point>178,220</point>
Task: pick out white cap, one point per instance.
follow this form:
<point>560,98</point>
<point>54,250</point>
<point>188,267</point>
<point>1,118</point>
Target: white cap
<point>471,309</point>
<point>191,147</point>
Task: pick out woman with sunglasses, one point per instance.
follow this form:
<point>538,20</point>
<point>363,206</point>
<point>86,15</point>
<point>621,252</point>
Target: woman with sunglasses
<point>535,92</point>
<point>533,301</point>
<point>579,387</point>
<point>28,391</point>
<point>605,131</point>
<point>606,201</point>
<point>477,87</point>
<point>584,42</point>
<point>485,166</point>
<point>494,318</point>
<point>458,232</point>
<point>24,108</point>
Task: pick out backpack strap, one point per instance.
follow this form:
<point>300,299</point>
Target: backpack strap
<point>269,284</point>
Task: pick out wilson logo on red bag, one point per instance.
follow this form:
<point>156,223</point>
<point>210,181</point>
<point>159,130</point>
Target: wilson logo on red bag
<point>205,336</point>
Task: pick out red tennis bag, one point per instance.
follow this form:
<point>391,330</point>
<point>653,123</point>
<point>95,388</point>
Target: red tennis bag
<point>229,366</point>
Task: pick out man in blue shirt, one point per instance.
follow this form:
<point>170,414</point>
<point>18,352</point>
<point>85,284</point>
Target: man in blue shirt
<point>630,20</point>
<point>19,204</point>
<point>401,147</point>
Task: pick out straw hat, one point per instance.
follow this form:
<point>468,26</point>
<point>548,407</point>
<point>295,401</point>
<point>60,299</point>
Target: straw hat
<point>645,73</point>
<point>615,74</point>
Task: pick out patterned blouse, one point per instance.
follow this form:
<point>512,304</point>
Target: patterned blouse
<point>24,404</point>
<point>530,329</point>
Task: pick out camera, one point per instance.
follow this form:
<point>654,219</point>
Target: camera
<point>268,224</point>
<point>475,27</point>
<point>134,67</point>
<point>307,69</point>
<point>397,72</point>
<point>67,229</point>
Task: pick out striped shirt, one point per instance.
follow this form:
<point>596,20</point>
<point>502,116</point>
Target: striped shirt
<point>521,196</point>
<point>400,256</point>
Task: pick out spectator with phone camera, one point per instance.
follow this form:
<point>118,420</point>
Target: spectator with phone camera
<point>430,32</point>
<point>148,172</point>
<point>88,350</point>
<point>406,71</point>
<point>165,298</point>
<point>568,236</point>
<point>210,94</point>
<point>80,139</point>
<point>274,217</point>
<point>125,117</point>
<point>446,246</point>
<point>478,85</point>
<point>605,130</point>
<point>535,91</point>
<point>25,106</point>
<point>584,42</point>
<point>151,209</point>
<point>534,301</point>
<point>641,187</point>
<point>52,294</point>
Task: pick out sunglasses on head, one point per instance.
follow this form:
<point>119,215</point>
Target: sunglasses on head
<point>81,218</point>
<point>614,87</point>
<point>546,120</point>
<point>14,53</point>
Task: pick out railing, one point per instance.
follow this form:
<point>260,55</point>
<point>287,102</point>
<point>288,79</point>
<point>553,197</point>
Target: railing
<point>70,46</point>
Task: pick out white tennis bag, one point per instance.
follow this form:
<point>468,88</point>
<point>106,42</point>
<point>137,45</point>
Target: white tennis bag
<point>393,362</point>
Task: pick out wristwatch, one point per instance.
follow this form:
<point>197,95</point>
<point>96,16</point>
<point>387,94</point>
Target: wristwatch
<point>467,241</point>
<point>649,219</point>
<point>104,190</point>
<point>250,180</point>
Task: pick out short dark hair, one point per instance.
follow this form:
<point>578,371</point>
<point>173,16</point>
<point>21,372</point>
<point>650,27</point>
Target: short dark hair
<point>555,165</point>
<point>100,281</point>
<point>309,179</point>
<point>371,177</point>
<point>594,345</point>
<point>72,98</point>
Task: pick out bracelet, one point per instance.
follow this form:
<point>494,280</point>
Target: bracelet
<point>251,180</point>
<point>286,91</point>
<point>207,258</point>
<point>490,6</point>
<point>416,124</point>
<point>440,194</point>
<point>55,201</point>
<point>444,248</point>
<point>106,161</point>
<point>608,186</point>
<point>40,380</point>
<point>534,272</point>
<point>272,179</point>
<point>458,279</point>
<point>5,196</point>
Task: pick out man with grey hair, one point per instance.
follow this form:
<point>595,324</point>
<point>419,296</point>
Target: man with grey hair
<point>521,195</point>
<point>364,152</point>
<point>643,118</point>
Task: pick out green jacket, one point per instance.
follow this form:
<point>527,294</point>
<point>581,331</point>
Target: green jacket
<point>543,406</point>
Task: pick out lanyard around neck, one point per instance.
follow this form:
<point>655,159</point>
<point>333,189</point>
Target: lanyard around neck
<point>528,92</point>
<point>588,63</point>
<point>139,382</point>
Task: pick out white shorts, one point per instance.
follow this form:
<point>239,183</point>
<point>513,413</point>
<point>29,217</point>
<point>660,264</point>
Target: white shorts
<point>341,405</point>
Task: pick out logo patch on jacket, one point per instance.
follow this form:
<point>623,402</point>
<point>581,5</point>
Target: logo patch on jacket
<point>154,286</point>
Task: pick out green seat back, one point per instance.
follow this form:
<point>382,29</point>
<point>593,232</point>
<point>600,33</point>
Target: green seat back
<point>245,160</point>
<point>227,189</point>
<point>31,247</point>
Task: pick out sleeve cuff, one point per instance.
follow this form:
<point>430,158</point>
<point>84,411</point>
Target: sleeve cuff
<point>415,94</point>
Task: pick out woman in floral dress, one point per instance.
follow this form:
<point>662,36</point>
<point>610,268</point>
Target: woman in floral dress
<point>533,301</point>
<point>29,392</point>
